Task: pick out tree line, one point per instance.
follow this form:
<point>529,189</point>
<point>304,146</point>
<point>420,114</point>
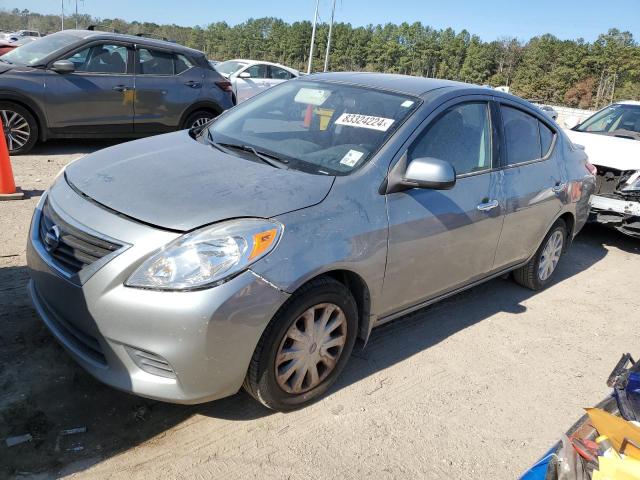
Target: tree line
<point>574,73</point>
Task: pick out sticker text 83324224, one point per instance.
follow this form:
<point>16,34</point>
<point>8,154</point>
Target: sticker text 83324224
<point>365,121</point>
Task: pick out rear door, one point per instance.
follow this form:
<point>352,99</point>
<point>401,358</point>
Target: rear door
<point>167,83</point>
<point>440,240</point>
<point>534,181</point>
<point>98,96</point>
<point>278,75</point>
<point>256,82</point>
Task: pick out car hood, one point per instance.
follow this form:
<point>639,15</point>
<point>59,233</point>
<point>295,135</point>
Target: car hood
<point>607,151</point>
<point>174,182</point>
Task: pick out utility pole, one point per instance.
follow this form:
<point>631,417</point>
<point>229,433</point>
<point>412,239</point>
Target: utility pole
<point>313,37</point>
<point>62,16</point>
<point>326,55</point>
<point>76,14</point>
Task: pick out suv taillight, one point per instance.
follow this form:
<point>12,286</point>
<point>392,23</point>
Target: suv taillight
<point>224,85</point>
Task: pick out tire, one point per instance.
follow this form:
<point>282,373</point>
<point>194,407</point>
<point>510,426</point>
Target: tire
<point>20,128</point>
<point>262,382</point>
<point>530,275</point>
<point>198,118</point>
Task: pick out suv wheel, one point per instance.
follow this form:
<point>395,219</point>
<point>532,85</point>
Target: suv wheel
<point>305,347</point>
<point>538,272</point>
<point>198,119</point>
<point>19,127</point>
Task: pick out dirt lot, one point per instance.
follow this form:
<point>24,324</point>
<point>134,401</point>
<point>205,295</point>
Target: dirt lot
<point>478,386</point>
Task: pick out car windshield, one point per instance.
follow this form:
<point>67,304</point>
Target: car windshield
<point>318,127</point>
<point>32,53</point>
<point>618,120</point>
<point>230,67</point>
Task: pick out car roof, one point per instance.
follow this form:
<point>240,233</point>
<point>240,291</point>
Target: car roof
<point>253,62</point>
<point>151,42</point>
<point>629,102</point>
<point>407,84</point>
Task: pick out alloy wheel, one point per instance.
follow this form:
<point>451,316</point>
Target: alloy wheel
<point>200,121</point>
<point>16,129</point>
<point>311,348</point>
<point>550,255</point>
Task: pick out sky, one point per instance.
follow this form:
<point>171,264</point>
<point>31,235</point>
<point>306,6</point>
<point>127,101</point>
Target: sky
<point>490,19</point>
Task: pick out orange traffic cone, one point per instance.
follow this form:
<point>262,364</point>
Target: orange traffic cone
<point>8,190</point>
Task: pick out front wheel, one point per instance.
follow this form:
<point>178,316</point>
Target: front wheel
<point>538,272</point>
<point>19,127</point>
<point>305,347</point>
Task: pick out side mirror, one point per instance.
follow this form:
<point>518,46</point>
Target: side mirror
<point>245,75</point>
<point>571,122</point>
<point>426,172</point>
<point>63,66</point>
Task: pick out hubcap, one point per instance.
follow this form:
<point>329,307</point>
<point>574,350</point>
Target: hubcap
<point>200,121</point>
<point>16,129</point>
<point>550,255</point>
<point>311,348</point>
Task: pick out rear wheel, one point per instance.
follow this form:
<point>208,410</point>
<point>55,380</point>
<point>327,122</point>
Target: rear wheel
<point>19,127</point>
<point>198,119</point>
<point>538,272</point>
<point>305,347</point>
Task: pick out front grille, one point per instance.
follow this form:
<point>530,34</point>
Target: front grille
<point>70,248</point>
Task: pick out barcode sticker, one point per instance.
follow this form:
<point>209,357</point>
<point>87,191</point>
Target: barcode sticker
<point>365,121</point>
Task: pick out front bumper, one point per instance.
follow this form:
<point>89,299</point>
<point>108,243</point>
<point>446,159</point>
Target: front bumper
<point>619,213</point>
<point>206,337</point>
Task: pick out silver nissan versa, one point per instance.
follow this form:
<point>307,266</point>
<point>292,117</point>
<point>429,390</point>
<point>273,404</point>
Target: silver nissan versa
<point>255,250</point>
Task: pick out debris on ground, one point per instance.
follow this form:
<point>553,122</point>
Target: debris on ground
<point>73,431</point>
<point>18,439</point>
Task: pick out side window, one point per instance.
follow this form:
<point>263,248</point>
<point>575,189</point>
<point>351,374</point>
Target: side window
<point>257,71</point>
<point>101,59</point>
<point>278,73</point>
<point>546,138</point>
<point>182,63</point>
<point>154,62</point>
<point>521,135</point>
<point>461,136</point>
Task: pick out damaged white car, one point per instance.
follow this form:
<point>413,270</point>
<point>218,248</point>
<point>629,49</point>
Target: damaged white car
<point>611,138</point>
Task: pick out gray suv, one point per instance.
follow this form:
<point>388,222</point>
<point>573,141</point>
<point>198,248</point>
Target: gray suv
<point>82,83</point>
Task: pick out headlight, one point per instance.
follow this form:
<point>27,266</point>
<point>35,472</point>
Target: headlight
<point>633,183</point>
<point>209,256</point>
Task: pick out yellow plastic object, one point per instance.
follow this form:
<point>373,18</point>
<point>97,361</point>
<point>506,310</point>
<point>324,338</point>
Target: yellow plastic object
<point>617,469</point>
<point>617,429</point>
<point>325,115</point>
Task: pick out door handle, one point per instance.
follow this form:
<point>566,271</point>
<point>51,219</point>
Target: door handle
<point>486,206</point>
<point>121,88</point>
<point>193,84</point>
<point>559,187</point>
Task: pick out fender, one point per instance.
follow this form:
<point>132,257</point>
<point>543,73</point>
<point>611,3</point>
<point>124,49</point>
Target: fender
<point>29,104</point>
<point>200,105</point>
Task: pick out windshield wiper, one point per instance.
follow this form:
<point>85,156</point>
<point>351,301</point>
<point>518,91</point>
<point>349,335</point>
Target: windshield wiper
<point>267,158</point>
<point>5,61</point>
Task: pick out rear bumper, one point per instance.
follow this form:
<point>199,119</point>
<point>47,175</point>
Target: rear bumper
<point>203,340</point>
<point>621,214</point>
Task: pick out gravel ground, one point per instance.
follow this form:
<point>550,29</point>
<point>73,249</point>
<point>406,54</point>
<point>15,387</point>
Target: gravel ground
<point>478,386</point>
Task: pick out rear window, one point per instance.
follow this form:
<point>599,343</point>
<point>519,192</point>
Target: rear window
<point>526,137</point>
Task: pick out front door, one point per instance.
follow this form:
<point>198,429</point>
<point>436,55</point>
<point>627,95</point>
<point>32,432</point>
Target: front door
<point>166,85</point>
<point>443,239</point>
<point>96,98</point>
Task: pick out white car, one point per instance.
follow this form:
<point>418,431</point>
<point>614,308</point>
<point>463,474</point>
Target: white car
<point>550,111</point>
<point>17,35</point>
<point>611,138</point>
<point>250,77</point>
